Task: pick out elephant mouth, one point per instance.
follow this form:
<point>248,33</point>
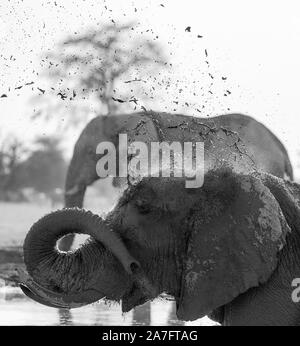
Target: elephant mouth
<point>134,298</point>
<point>140,292</point>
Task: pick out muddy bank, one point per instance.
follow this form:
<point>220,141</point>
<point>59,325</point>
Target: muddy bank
<point>11,259</point>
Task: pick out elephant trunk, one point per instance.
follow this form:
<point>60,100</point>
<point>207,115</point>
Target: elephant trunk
<point>74,196</point>
<point>74,188</point>
<point>77,278</point>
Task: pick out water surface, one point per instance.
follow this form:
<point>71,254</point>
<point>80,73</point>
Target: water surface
<point>17,309</point>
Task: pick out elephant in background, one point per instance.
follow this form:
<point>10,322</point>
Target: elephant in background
<point>229,249</point>
<point>250,141</point>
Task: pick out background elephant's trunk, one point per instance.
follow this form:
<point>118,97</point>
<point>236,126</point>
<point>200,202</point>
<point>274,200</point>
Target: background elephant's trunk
<point>77,181</point>
<point>75,186</point>
<point>74,196</point>
<point>83,276</point>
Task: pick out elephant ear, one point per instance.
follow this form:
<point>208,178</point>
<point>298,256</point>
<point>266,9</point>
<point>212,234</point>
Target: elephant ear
<point>237,230</point>
<point>287,194</point>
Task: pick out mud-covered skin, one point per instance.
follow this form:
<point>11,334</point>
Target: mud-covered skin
<point>237,138</point>
<point>229,249</point>
<point>243,210</point>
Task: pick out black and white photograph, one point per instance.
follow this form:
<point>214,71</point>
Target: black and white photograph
<point>149,165</point>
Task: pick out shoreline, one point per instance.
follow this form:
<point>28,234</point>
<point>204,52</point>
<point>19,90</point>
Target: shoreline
<point>11,259</point>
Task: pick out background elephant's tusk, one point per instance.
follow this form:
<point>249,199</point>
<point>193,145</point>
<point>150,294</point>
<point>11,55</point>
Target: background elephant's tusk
<point>75,189</point>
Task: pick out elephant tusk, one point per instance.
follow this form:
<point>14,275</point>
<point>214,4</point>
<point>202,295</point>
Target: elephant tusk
<point>38,293</point>
<point>42,300</point>
<point>44,296</point>
<point>75,189</point>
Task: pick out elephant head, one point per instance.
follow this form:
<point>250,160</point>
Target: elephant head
<point>230,249</point>
<point>82,168</point>
<point>102,267</point>
<point>81,171</point>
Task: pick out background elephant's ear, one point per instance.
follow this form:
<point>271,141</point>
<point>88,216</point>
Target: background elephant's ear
<point>238,229</point>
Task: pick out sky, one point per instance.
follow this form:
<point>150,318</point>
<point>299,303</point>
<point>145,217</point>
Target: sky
<point>226,56</point>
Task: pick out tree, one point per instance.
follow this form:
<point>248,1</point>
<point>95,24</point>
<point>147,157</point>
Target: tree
<point>11,153</point>
<point>96,63</point>
<point>45,168</point>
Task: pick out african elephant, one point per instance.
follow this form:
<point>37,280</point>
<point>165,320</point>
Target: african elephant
<point>230,249</point>
<point>239,131</point>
